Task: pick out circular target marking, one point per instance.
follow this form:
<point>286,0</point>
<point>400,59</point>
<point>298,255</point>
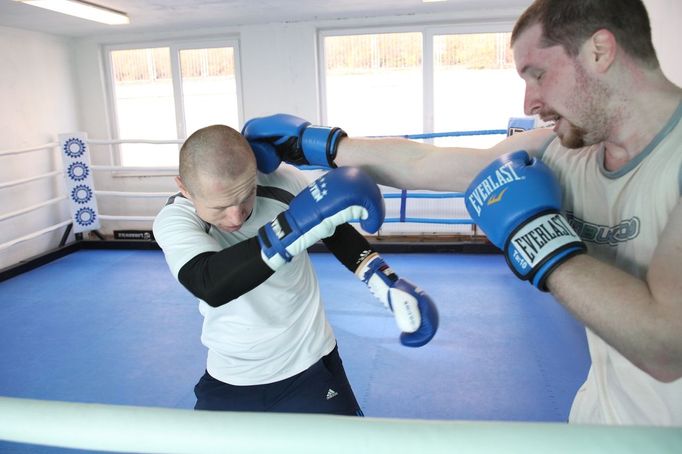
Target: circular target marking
<point>78,171</point>
<point>74,148</point>
<point>81,194</point>
<point>85,216</point>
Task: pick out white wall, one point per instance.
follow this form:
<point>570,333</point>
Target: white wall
<point>279,69</point>
<point>666,22</point>
<point>38,101</point>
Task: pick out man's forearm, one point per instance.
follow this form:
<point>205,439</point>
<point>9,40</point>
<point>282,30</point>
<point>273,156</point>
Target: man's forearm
<point>406,164</point>
<point>389,161</point>
<point>621,310</point>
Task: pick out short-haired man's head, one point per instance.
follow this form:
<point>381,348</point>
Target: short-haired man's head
<point>570,22</point>
<point>216,151</point>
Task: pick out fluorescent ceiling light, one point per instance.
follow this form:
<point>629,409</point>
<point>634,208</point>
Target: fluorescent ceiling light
<point>433,1</point>
<point>81,9</point>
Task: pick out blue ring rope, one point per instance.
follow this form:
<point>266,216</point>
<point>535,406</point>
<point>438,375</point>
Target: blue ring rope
<point>419,195</point>
<point>433,135</point>
<point>403,205</point>
<point>424,221</point>
<point>429,221</point>
<point>404,195</point>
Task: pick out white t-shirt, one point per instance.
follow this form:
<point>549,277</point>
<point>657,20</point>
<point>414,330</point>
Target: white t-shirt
<point>272,332</point>
<point>620,215</point>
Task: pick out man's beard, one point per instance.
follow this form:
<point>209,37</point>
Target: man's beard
<point>574,138</point>
<point>591,105</point>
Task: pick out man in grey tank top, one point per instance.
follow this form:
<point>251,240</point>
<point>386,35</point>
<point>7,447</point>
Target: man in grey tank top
<point>590,212</point>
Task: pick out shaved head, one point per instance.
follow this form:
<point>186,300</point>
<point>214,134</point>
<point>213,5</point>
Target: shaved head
<point>214,153</point>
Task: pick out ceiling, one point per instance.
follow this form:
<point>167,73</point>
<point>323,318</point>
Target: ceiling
<point>164,15</point>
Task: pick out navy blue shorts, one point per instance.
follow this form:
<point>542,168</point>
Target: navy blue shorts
<point>322,388</point>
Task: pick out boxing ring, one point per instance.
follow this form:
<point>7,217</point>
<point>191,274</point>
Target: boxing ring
<point>82,370</point>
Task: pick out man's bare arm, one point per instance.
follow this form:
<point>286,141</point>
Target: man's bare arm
<point>407,164</point>
<point>642,319</point>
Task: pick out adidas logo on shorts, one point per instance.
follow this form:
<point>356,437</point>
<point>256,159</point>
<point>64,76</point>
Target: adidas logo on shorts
<point>331,393</point>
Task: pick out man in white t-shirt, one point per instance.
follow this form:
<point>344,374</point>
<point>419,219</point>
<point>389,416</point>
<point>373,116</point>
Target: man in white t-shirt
<point>237,239</point>
<point>590,211</point>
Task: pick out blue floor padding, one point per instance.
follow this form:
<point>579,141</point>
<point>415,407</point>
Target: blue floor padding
<point>113,326</point>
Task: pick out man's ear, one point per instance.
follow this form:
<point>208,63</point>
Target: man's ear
<point>182,187</point>
<point>602,48</point>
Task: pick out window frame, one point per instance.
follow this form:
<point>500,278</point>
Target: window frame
<point>428,33</point>
<point>175,46</point>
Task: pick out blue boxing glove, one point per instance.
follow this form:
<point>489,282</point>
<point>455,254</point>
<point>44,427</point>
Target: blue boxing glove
<point>267,158</point>
<point>414,311</point>
<point>516,200</point>
<point>294,140</point>
<point>337,197</point>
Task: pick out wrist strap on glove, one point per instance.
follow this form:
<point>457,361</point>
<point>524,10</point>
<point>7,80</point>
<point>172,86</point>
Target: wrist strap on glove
<point>379,278</point>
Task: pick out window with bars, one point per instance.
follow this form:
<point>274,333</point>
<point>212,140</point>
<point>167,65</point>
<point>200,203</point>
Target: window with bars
<point>382,84</point>
<point>373,83</point>
<point>475,86</point>
<point>168,92</point>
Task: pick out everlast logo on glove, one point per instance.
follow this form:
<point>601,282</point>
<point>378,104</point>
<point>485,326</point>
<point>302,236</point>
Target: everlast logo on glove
<point>541,236</point>
<point>523,219</point>
<point>480,194</point>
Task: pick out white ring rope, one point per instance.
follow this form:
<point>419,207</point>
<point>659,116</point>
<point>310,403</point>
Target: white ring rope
<point>28,209</point>
<point>47,146</point>
<point>14,214</point>
<point>136,169</point>
<point>28,180</point>
<point>145,195</point>
<point>108,217</point>
<point>8,184</point>
<point>33,235</point>
<point>146,429</point>
<point>120,141</point>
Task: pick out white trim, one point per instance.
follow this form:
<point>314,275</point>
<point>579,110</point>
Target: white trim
<point>428,103</point>
<point>178,94</point>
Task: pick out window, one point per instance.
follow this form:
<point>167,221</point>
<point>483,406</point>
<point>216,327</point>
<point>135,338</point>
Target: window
<point>168,92</point>
<point>475,86</point>
<point>419,82</point>
<point>373,83</point>
<point>209,87</point>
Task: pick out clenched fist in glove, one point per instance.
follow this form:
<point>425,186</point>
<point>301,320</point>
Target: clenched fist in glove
<point>516,200</point>
<point>414,311</point>
<point>283,137</point>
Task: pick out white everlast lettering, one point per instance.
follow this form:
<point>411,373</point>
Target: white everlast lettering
<point>543,235</point>
<point>504,175</point>
<point>526,246</point>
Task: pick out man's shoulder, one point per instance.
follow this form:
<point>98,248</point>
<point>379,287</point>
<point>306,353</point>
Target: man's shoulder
<point>286,177</point>
<point>177,199</point>
<point>178,210</point>
<point>176,205</point>
<point>534,141</point>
